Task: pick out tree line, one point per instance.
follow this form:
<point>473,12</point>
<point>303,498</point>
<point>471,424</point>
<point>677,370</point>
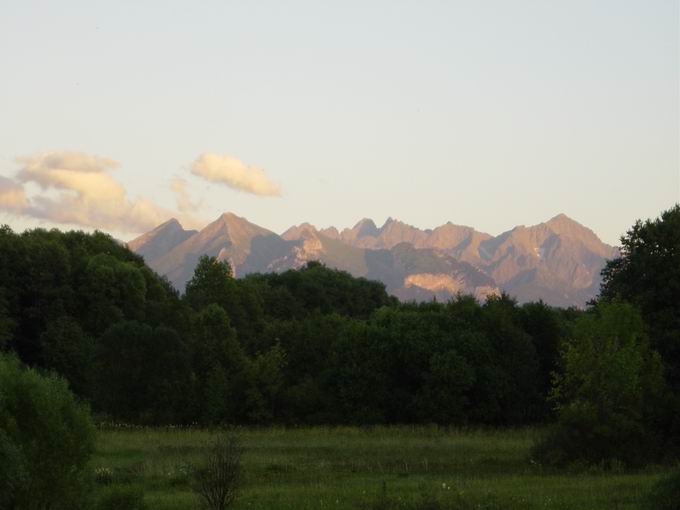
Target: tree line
<point>313,345</point>
<point>318,346</point>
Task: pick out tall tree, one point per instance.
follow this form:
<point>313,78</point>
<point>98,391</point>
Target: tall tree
<point>68,351</point>
<point>220,365</point>
<point>212,283</point>
<point>7,324</point>
<point>611,382</point>
<point>647,274</point>
<point>143,374</point>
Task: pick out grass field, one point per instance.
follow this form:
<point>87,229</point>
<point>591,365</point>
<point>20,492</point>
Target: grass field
<point>374,468</point>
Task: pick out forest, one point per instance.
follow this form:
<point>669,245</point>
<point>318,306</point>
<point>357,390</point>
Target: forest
<point>318,347</point>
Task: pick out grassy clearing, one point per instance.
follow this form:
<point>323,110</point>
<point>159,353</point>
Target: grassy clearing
<point>357,467</point>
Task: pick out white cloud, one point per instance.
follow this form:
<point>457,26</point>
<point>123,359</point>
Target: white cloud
<point>12,196</point>
<point>81,173</point>
<point>235,174</point>
<point>78,190</point>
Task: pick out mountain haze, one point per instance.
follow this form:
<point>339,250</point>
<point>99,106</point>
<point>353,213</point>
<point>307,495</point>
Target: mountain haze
<point>558,261</point>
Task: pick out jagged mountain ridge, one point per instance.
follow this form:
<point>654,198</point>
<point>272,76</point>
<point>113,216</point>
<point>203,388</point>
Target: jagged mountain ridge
<point>558,261</point>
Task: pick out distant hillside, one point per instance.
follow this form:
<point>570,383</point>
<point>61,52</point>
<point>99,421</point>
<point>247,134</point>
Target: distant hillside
<point>558,261</point>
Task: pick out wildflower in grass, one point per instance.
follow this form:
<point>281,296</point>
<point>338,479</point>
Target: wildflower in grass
<point>103,475</point>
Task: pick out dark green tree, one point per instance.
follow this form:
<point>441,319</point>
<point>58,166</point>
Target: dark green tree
<point>45,293</point>
<point>143,374</point>
<point>266,384</point>
<point>68,351</point>
<point>647,274</point>
<point>546,330</point>
<point>113,291</point>
<point>611,379</point>
<point>447,386</point>
<point>358,384</point>
<point>7,324</point>
<point>516,361</point>
<point>212,283</point>
<point>220,365</point>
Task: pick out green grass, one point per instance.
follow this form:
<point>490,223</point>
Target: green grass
<point>357,467</point>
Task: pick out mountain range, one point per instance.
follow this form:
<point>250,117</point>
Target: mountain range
<point>558,261</point>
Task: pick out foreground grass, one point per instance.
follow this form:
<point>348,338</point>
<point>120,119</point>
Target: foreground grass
<point>363,467</point>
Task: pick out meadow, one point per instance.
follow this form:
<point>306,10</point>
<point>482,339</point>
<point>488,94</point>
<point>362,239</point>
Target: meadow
<point>366,468</point>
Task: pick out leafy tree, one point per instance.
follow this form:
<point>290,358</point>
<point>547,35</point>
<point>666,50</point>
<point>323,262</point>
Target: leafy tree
<point>44,294</point>
<point>542,323</point>
<point>143,374</point>
<point>446,388</point>
<point>68,351</point>
<point>220,365</point>
<point>212,283</point>
<point>317,288</point>
<point>114,291</point>
<point>163,306</point>
<point>515,358</point>
<point>215,340</point>
<point>248,316</point>
<point>647,274</point>
<point>267,381</point>
<point>217,395</point>
<point>355,386</point>
<point>46,439</point>
<point>611,378</point>
<point>7,325</point>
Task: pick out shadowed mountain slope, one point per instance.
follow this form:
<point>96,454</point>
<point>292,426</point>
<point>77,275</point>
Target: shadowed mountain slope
<point>160,240</point>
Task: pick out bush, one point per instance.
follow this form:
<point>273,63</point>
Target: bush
<point>123,498</point>
<point>218,479</point>
<point>665,495</point>
<point>46,439</point>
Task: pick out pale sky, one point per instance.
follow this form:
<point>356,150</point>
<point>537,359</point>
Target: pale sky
<point>489,113</point>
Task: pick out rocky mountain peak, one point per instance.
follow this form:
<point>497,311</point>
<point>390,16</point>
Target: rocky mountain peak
<point>365,227</point>
<point>330,232</point>
<point>389,221</point>
<point>299,232</point>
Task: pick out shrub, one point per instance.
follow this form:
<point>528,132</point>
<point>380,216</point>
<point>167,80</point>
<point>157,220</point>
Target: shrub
<point>46,439</point>
<point>665,495</point>
<point>217,479</point>
<point>123,498</point>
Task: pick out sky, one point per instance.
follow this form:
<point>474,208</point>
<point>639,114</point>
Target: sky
<point>121,115</point>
